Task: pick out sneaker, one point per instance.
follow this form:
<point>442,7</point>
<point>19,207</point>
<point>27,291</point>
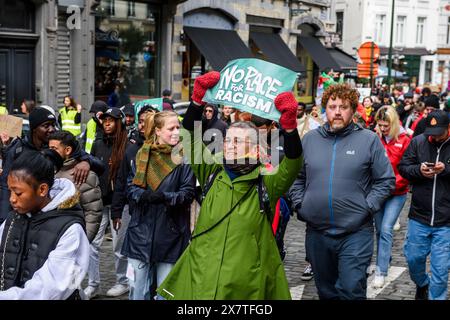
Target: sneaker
<point>91,292</point>
<point>378,281</point>
<point>397,225</point>
<point>117,290</point>
<point>422,293</point>
<point>370,270</point>
<point>308,273</point>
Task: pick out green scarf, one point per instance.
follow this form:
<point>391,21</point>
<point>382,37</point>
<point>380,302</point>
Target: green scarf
<point>153,163</point>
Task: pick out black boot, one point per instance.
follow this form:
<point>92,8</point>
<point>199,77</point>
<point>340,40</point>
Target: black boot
<point>422,293</point>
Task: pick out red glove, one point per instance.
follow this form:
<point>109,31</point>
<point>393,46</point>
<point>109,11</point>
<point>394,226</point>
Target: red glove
<point>203,83</point>
<point>287,105</point>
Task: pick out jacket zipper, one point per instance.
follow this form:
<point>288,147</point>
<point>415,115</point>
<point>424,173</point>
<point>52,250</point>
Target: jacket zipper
<point>433,197</point>
<point>330,186</point>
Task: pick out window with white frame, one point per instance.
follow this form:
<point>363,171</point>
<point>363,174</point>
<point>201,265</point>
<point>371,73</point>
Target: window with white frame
<point>420,29</point>
<point>380,22</point>
<point>400,30</point>
<point>448,30</point>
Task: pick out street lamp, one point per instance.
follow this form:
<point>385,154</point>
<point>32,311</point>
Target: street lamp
<point>390,47</point>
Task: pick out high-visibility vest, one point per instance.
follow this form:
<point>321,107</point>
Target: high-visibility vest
<point>3,110</point>
<point>91,129</point>
<point>68,121</point>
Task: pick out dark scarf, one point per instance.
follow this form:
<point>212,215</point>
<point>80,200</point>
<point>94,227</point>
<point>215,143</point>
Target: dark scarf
<point>153,163</point>
<point>240,169</point>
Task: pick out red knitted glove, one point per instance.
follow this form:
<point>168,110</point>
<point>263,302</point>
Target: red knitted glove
<point>287,105</point>
<point>203,83</point>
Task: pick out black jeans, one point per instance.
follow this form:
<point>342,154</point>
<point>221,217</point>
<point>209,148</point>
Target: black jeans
<point>340,263</point>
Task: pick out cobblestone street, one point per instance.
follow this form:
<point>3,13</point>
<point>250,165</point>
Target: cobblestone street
<point>398,287</point>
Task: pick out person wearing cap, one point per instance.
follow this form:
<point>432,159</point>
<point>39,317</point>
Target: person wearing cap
<point>69,117</point>
<point>111,151</point>
<point>167,98</point>
<point>133,133</point>
<point>431,104</point>
<point>426,164</point>
<point>42,125</point>
<point>94,126</point>
<point>405,108</point>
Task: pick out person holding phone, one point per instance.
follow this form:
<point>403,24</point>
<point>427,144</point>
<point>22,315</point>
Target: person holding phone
<point>426,164</point>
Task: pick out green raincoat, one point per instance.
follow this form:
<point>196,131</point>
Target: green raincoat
<point>239,258</point>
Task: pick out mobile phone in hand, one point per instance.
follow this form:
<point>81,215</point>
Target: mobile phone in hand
<point>430,164</point>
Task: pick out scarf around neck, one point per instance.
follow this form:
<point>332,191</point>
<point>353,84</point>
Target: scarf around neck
<point>240,169</point>
<point>153,163</point>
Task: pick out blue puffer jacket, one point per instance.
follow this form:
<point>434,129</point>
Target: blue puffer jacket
<point>160,232</point>
<point>345,179</point>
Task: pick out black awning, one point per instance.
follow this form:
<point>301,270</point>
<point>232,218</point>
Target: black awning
<point>218,46</point>
<point>276,50</point>
<point>318,53</point>
<point>345,61</point>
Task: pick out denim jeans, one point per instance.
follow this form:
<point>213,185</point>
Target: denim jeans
<point>384,224</point>
<point>422,240</point>
<point>340,263</point>
<point>119,259</point>
<point>142,278</point>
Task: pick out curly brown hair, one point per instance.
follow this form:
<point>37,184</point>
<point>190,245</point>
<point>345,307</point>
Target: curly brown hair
<point>342,91</point>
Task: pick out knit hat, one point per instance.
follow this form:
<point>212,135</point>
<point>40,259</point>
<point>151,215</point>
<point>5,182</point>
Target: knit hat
<point>128,109</point>
<point>432,101</point>
<point>40,115</point>
<point>98,106</point>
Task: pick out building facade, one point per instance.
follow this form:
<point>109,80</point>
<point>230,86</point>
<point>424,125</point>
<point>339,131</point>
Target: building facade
<point>414,34</point>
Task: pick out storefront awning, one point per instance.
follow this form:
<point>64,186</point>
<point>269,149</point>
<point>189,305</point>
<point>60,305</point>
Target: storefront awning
<point>276,50</point>
<point>218,46</point>
<point>345,61</point>
<point>318,53</point>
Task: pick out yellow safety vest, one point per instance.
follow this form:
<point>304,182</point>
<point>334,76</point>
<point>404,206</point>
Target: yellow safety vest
<point>3,110</point>
<point>91,129</point>
<point>68,121</point>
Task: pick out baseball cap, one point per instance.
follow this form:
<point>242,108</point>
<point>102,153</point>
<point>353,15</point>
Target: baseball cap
<point>436,123</point>
<point>112,112</point>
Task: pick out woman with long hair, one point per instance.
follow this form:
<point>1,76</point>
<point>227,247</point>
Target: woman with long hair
<point>161,189</point>
<point>111,150</point>
<point>395,141</point>
<point>69,117</point>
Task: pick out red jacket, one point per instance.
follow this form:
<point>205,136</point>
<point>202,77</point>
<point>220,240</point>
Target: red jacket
<point>395,150</point>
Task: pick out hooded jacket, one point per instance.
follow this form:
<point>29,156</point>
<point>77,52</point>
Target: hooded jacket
<point>345,179</point>
<point>15,149</point>
<point>90,197</point>
<point>45,255</point>
<point>213,123</point>
<point>430,202</point>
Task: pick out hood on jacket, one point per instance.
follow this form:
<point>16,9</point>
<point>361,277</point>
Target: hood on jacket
<point>63,195</point>
<point>207,124</point>
<point>326,132</point>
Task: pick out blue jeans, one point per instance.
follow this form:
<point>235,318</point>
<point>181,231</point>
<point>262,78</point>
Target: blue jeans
<point>421,240</point>
<point>340,263</point>
<point>384,224</point>
<point>142,278</point>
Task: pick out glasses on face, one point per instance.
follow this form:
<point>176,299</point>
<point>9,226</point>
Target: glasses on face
<point>236,141</point>
<point>208,111</point>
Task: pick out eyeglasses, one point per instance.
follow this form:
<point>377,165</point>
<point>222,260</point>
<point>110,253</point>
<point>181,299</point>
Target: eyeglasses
<point>237,140</point>
<point>208,111</point>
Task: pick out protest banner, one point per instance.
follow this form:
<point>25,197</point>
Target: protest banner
<point>11,125</point>
<point>251,85</point>
<point>156,103</point>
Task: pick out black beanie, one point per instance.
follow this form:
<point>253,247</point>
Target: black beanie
<point>432,101</point>
<point>38,116</point>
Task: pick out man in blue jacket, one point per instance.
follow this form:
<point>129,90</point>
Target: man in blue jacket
<point>344,181</point>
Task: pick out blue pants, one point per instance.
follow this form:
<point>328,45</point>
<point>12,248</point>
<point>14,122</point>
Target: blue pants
<point>340,263</point>
<point>422,240</point>
<point>384,224</point>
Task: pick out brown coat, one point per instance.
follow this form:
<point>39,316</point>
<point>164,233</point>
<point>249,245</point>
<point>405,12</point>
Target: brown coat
<point>90,197</point>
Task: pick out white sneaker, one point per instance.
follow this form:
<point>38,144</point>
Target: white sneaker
<point>396,225</point>
<point>378,281</point>
<point>117,290</point>
<point>91,292</point>
<point>370,269</point>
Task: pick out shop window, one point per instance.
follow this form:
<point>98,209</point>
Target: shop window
<point>126,52</point>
